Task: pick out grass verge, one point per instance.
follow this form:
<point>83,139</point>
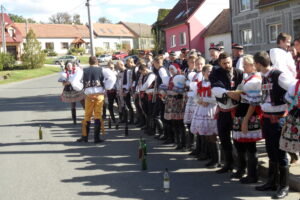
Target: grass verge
<point>20,75</point>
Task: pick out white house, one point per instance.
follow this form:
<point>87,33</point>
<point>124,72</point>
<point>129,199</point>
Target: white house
<point>112,37</point>
<point>219,32</point>
<point>59,37</point>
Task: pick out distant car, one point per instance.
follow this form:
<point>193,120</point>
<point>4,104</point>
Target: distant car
<point>119,55</point>
<point>64,59</point>
<point>104,58</point>
<point>135,58</point>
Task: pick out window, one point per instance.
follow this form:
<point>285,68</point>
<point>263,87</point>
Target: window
<point>246,36</point>
<point>11,32</point>
<point>65,45</point>
<point>274,31</point>
<point>49,45</point>
<point>183,38</point>
<point>106,45</point>
<point>173,41</point>
<point>245,5</point>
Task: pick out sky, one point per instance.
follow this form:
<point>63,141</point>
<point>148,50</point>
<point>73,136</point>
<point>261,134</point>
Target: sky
<point>139,11</point>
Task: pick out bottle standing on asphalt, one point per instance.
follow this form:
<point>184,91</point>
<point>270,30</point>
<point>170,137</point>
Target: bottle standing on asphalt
<point>40,133</point>
<point>166,181</point>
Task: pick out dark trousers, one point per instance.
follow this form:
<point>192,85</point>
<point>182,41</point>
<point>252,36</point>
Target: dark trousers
<point>158,109</point>
<point>244,147</point>
<point>224,125</point>
<point>272,133</point>
<point>128,102</point>
<point>112,97</point>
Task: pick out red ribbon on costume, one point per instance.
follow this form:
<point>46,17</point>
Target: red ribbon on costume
<point>203,91</point>
<point>171,84</point>
<point>296,91</point>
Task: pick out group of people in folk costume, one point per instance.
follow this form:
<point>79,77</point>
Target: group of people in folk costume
<point>202,107</point>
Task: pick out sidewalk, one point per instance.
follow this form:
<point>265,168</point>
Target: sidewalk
<point>263,167</point>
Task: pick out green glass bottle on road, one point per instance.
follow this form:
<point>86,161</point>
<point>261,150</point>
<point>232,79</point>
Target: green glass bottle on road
<point>40,133</point>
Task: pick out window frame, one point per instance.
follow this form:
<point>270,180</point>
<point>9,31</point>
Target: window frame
<point>184,37</point>
<point>62,45</point>
<point>242,37</point>
<point>277,32</point>
<point>173,41</point>
<point>240,5</point>
<point>49,43</point>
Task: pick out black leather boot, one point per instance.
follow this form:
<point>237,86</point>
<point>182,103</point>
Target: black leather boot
<point>252,176</point>
<point>214,162</point>
<point>87,129</point>
<point>283,189</point>
<point>131,117</point>
<point>73,110</point>
<point>169,133</point>
<point>272,178</point>
<point>241,158</point>
<point>160,127</point>
<point>97,128</point>
<point>228,163</point>
<point>196,151</point>
<point>204,149</point>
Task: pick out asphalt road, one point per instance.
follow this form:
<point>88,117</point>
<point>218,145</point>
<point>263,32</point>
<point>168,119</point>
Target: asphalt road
<point>57,168</point>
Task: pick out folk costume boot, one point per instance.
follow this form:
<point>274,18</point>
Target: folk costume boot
<point>204,149</point>
<point>131,117</point>
<point>214,162</point>
<point>283,189</point>
<point>73,110</point>
<point>169,132</point>
<point>272,178</point>
<point>241,158</point>
<point>160,127</point>
<point>85,131</point>
<point>228,163</point>
<point>196,151</point>
<point>97,128</point>
<point>252,176</point>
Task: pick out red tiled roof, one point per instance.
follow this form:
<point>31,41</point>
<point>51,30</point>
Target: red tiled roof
<point>55,30</point>
<point>111,30</point>
<point>181,12</point>
<point>16,37</point>
<point>221,24</point>
<point>269,2</point>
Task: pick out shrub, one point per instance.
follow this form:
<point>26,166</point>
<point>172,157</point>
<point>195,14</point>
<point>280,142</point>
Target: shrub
<point>50,52</point>
<point>76,51</point>
<point>7,61</point>
<point>33,56</point>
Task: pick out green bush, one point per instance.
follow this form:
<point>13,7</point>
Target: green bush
<point>7,61</point>
<point>134,52</point>
<point>50,52</point>
<point>76,51</point>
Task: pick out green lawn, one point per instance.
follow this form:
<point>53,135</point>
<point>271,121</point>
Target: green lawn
<point>83,59</point>
<point>19,75</point>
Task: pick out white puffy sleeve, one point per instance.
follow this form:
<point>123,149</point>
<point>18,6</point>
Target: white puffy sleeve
<point>290,94</point>
<point>109,78</point>
<point>252,91</point>
<point>76,78</point>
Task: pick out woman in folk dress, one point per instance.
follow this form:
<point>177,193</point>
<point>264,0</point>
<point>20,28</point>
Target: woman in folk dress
<point>174,108</point>
<point>70,78</point>
<point>204,124</point>
<point>246,123</point>
<point>290,139</point>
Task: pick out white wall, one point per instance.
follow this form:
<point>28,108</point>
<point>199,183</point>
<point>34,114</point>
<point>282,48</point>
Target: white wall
<point>226,38</point>
<point>209,10</point>
<point>112,42</point>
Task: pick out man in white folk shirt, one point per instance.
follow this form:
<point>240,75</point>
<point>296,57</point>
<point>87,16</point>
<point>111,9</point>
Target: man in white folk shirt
<point>281,58</point>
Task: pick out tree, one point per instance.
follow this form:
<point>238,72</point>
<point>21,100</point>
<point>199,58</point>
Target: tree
<point>104,20</point>
<point>60,18</point>
<point>76,19</point>
<point>20,19</point>
<point>33,56</point>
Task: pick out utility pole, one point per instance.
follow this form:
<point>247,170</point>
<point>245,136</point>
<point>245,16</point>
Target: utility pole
<point>3,30</point>
<point>91,29</point>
